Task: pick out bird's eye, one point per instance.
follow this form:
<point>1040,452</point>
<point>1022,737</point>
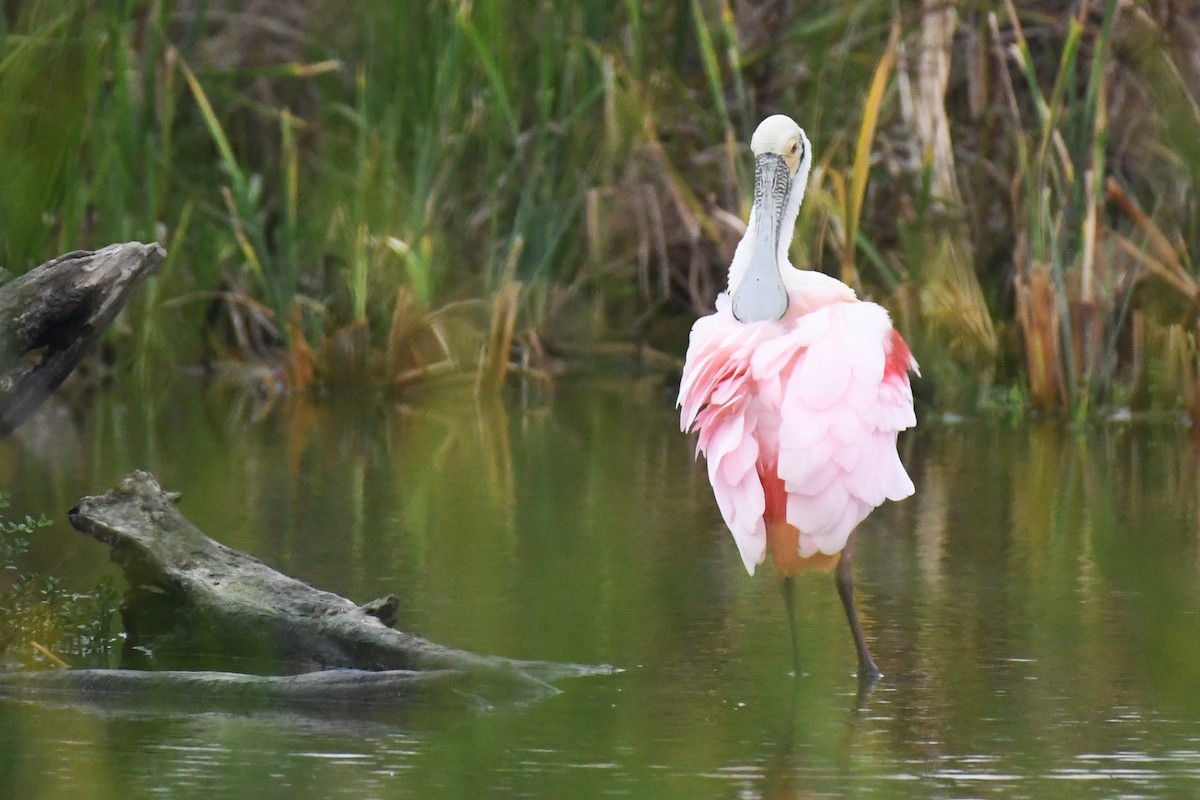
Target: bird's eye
<point>795,147</point>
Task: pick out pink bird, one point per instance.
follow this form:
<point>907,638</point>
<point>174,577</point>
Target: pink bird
<point>798,390</point>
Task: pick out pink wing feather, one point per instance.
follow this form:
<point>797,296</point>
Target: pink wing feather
<point>817,400</point>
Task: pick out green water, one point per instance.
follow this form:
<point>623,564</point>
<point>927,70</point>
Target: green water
<point>1035,607</point>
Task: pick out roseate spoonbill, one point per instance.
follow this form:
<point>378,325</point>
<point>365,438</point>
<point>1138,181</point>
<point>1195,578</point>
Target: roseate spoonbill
<point>798,390</point>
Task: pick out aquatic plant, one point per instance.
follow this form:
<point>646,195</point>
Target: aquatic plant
<point>41,621</point>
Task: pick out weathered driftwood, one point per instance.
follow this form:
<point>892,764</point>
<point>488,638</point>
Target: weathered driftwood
<point>190,594</point>
<point>60,309</point>
<point>323,690</point>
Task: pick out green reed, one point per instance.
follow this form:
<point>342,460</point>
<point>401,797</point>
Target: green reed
<point>405,167</point>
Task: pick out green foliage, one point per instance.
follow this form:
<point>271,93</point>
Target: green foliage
<point>40,619</point>
<point>14,535</point>
<point>373,165</point>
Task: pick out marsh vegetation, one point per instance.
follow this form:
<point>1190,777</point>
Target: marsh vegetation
<point>393,194</point>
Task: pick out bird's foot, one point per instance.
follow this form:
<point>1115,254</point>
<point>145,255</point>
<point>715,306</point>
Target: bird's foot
<point>868,673</point>
<point>868,677</point>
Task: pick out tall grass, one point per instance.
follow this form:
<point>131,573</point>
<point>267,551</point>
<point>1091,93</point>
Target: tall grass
<point>1074,286</point>
<point>389,192</point>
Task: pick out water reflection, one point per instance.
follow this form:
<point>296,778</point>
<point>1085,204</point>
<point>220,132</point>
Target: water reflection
<point>1035,607</point>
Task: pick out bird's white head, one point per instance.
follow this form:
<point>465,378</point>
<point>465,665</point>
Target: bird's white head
<point>782,159</point>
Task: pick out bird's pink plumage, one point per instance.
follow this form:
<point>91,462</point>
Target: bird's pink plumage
<point>798,418</point>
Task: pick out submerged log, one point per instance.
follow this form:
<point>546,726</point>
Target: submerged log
<point>323,690</point>
<point>189,594</point>
<point>51,316</point>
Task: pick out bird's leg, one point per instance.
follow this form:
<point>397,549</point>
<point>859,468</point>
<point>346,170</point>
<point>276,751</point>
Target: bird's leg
<point>867,671</point>
<point>789,600</point>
